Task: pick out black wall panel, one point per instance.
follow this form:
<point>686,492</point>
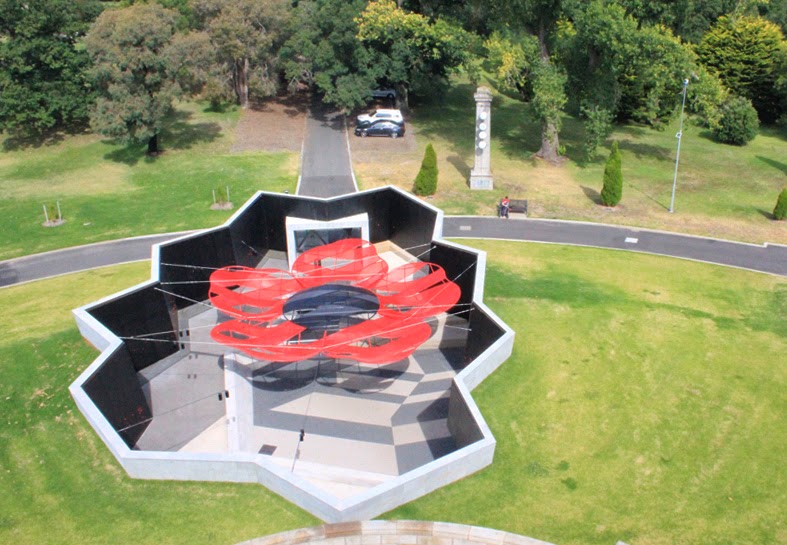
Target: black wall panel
<point>460,266</point>
<point>186,265</point>
<point>411,224</point>
<point>140,313</point>
<point>483,333</point>
<point>116,392</point>
<point>392,216</point>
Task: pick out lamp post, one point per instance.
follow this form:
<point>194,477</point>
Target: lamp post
<point>677,156</point>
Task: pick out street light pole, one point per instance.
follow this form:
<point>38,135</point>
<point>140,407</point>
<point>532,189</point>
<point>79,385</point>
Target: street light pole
<point>677,156</point>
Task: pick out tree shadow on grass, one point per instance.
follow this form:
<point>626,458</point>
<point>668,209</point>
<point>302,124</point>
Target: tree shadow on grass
<point>14,142</point>
<point>767,214</point>
<point>460,165</point>
<point>177,134</point>
<point>591,194</point>
<point>641,150</point>
<point>775,164</point>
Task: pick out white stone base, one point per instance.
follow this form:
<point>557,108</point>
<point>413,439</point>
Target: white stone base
<point>481,181</point>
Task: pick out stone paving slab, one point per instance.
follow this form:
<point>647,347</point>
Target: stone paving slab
<point>400,532</point>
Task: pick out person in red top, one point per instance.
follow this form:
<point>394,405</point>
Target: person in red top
<point>505,204</point>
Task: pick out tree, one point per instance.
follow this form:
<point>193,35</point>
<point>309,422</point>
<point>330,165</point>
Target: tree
<point>521,66</point>
<point>745,52</point>
<point>323,52</point>
<point>426,180</point>
<point>407,48</point>
<point>616,64</point>
<point>42,69</point>
<point>138,71</point>
<point>612,191</point>
<point>780,210</point>
<point>538,19</point>
<point>247,36</point>
<point>738,123</point>
<point>598,125</point>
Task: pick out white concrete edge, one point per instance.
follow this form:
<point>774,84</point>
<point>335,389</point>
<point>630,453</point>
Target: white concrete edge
<point>300,162</point>
<point>634,250</point>
<point>349,152</point>
<point>633,229</point>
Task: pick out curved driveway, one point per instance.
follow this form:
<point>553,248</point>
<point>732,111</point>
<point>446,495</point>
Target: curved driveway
<point>326,172</point>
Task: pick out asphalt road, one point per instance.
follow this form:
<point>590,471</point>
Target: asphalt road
<point>325,163</point>
<point>763,258</point>
<point>78,258</point>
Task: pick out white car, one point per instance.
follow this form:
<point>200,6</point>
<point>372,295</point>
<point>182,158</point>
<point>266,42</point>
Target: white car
<point>388,115</point>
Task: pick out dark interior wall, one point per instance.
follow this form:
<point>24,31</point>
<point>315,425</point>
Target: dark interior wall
<point>186,265</point>
<point>411,224</point>
<point>460,267</point>
<point>461,423</point>
<point>135,314</point>
<point>117,393</point>
<point>484,331</point>
<point>392,216</point>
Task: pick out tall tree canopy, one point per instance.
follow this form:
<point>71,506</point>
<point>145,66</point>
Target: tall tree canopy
<point>746,53</point>
<point>247,36</point>
<point>534,24</point>
<point>43,80</point>
<point>407,49</point>
<point>323,51</point>
<point>139,67</point>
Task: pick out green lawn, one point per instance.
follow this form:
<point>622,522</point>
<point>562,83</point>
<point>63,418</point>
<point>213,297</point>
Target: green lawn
<point>108,191</point>
<point>644,402</point>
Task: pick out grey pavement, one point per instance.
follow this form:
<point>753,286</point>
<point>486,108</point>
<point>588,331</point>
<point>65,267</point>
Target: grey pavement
<point>79,258</point>
<point>325,163</point>
<point>767,258</point>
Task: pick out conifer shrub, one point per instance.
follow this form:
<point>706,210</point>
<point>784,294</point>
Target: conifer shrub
<point>426,180</point>
<point>612,191</point>
<point>780,211</point>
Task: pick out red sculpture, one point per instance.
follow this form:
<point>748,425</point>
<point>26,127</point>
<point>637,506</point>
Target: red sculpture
<point>348,305</point>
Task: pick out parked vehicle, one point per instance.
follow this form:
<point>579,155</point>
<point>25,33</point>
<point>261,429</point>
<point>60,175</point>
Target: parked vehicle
<point>384,92</point>
<point>381,127</point>
<point>394,116</point>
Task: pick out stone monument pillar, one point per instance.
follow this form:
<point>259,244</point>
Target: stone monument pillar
<point>481,175</point>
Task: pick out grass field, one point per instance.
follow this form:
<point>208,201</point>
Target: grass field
<point>644,402</point>
<point>107,191</point>
<point>723,191</point>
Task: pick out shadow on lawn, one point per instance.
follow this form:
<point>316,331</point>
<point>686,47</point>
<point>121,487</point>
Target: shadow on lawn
<point>177,134</point>
<point>775,164</point>
<point>591,194</point>
<point>51,137</point>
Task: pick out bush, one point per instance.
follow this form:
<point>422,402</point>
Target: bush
<point>598,125</point>
<point>612,191</point>
<point>780,212</point>
<point>426,181</point>
<point>738,122</point>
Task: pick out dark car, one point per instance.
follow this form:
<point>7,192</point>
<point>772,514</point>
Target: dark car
<point>381,128</point>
